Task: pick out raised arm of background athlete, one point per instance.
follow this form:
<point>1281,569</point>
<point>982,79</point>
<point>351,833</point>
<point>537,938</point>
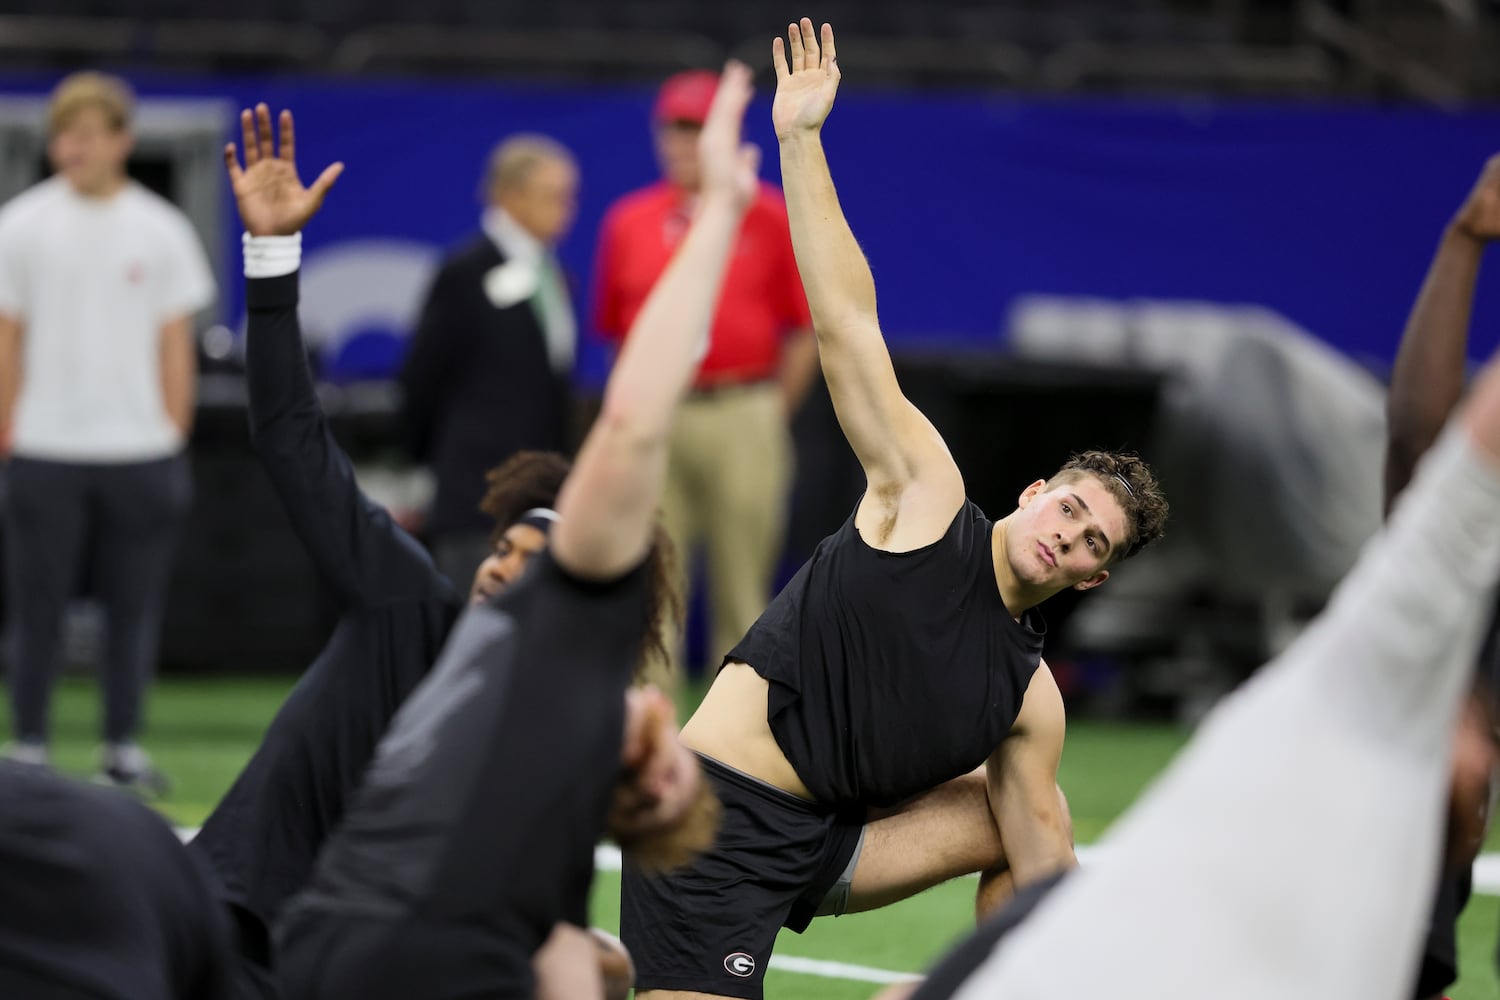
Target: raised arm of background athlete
<point>355,544</point>
<point>608,505</point>
<point>1428,378</point>
<point>914,487</point>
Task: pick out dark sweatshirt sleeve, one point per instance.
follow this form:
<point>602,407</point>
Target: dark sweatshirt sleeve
<point>356,545</point>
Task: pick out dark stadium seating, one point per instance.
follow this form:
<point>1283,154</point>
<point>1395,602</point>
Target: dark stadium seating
<point>1395,47</point>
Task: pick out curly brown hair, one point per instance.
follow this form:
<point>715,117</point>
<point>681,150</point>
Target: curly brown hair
<point>534,479</point>
<point>1144,503</point>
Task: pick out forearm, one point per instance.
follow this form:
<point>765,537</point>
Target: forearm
<point>665,345</point>
<point>179,373</point>
<point>355,544</point>
<point>1428,378</point>
<point>608,506</point>
<point>10,374</point>
<point>835,275</point>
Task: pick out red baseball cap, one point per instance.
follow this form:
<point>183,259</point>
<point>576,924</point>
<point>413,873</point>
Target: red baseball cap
<point>686,97</point>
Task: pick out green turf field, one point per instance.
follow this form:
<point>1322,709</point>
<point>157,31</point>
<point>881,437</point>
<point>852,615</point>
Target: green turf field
<point>203,731</point>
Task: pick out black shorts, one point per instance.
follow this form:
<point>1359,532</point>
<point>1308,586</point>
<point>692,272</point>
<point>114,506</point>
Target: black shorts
<point>710,927</point>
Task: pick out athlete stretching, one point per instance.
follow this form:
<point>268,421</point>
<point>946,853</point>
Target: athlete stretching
<point>473,831</point>
<point>1291,850</point>
<point>903,656</point>
<point>102,900</point>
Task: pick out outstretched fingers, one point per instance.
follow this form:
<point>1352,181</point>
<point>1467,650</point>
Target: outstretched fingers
<point>811,56</point>
<point>232,163</point>
<point>798,56</point>
<point>733,95</point>
<point>247,134</point>
<point>778,59</point>
<point>830,54</point>
<point>288,138</point>
<point>263,132</point>
<point>325,181</point>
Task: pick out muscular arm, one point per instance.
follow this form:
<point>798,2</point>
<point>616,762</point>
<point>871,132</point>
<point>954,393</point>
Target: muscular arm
<point>1023,791</point>
<point>897,446</point>
<point>910,471</point>
<point>179,372</point>
<point>11,339</point>
<point>1428,378</point>
<point>608,505</point>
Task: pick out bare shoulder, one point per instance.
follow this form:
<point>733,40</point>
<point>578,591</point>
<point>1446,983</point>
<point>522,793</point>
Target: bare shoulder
<point>1042,713</point>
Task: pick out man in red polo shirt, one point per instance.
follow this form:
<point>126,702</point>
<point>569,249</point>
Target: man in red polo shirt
<point>731,457</point>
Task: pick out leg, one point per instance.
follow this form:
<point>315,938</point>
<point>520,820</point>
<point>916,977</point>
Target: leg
<point>681,503</point>
<point>142,509</point>
<point>708,930</point>
<point>45,525</point>
<point>940,835</point>
<point>745,509</point>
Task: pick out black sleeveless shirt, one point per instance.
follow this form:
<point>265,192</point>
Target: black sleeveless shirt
<point>892,672</point>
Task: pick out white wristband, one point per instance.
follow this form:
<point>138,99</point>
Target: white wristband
<point>272,256</point>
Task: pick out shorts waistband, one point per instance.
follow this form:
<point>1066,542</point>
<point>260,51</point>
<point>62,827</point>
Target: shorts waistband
<point>759,786</point>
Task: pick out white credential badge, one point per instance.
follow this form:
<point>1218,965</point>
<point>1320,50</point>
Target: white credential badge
<point>512,282</point>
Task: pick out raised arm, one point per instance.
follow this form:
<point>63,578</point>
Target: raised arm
<point>608,505</point>
<point>355,544</point>
<point>1428,378</point>
<point>910,471</point>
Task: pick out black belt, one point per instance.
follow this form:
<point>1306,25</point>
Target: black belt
<point>726,387</point>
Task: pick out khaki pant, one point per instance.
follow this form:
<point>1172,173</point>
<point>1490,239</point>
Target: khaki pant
<point>726,492</point>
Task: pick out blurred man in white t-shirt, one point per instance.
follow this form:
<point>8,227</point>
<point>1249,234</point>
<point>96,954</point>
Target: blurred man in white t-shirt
<point>99,281</point>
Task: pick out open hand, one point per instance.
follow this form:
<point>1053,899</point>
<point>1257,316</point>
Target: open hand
<point>727,164</point>
<point>270,195</point>
<point>807,78</point>
<point>1479,219</point>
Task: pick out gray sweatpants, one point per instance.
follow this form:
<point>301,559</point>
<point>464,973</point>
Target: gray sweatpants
<point>120,524</point>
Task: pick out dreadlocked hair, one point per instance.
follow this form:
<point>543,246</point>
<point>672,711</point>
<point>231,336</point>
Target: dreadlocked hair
<point>534,479</point>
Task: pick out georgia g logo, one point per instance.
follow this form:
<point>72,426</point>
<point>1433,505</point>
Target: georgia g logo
<point>740,964</point>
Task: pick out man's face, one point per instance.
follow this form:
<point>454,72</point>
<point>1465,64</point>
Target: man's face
<point>546,201</point>
<point>659,777</point>
<point>1064,536</point>
<point>677,153</point>
<point>504,566</point>
<point>89,152</point>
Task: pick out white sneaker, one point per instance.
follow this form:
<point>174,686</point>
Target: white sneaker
<point>26,752</point>
<point>126,765</point>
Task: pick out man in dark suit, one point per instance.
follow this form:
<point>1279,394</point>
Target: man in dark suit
<point>487,373</point>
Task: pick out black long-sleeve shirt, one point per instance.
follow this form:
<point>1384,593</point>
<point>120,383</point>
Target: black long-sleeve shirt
<point>397,610</point>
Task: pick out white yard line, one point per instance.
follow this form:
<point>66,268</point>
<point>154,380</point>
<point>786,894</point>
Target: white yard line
<point>840,970</point>
<point>607,859</point>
